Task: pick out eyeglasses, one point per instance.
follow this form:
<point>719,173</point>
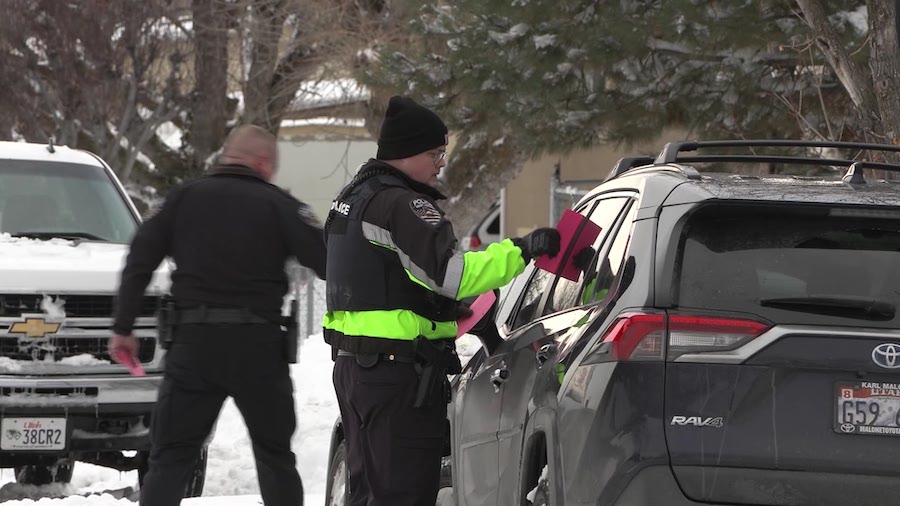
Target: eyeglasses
<point>437,156</point>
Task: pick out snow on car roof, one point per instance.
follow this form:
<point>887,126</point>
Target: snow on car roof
<point>40,152</point>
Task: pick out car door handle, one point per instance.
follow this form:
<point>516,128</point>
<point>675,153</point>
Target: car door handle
<point>499,376</point>
<point>544,353</point>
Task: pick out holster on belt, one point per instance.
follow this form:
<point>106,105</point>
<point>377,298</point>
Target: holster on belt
<point>291,333</point>
<point>434,360</point>
<point>165,321</point>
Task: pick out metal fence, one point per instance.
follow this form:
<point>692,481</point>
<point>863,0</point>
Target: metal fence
<point>312,307</point>
<point>565,194</point>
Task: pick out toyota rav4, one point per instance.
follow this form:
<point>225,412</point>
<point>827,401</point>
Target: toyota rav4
<point>729,338</point>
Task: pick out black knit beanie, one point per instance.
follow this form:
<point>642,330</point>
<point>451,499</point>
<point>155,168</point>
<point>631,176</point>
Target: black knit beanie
<point>409,129</point>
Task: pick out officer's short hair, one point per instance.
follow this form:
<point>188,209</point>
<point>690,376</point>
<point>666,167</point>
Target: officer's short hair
<point>247,142</point>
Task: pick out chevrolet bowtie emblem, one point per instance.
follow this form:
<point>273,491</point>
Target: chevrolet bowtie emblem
<point>34,327</point>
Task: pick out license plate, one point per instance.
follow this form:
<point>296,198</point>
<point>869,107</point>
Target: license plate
<point>25,434</point>
<point>867,407</point>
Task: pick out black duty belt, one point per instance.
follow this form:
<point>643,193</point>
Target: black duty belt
<point>234,316</point>
<point>390,357</point>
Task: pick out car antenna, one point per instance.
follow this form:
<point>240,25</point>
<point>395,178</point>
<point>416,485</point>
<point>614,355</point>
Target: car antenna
<point>50,147</point>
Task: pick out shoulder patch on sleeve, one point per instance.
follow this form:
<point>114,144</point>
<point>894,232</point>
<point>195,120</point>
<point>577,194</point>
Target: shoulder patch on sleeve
<point>426,211</point>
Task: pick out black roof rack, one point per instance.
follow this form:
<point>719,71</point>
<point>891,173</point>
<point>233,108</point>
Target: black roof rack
<point>862,164</point>
<point>629,162</point>
<point>671,153</point>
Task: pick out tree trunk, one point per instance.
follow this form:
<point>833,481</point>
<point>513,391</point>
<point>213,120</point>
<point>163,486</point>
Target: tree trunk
<point>264,31</point>
<point>207,128</point>
<point>856,78</point>
<point>884,61</point>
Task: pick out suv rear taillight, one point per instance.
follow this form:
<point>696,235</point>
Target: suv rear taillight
<point>641,336</point>
<point>474,242</point>
<point>695,334</point>
<point>637,336</point>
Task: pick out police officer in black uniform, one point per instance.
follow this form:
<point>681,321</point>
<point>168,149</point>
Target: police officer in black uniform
<point>394,279</point>
<point>229,234</point>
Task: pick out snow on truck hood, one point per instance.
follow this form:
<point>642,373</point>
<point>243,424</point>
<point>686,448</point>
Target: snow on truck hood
<point>58,265</point>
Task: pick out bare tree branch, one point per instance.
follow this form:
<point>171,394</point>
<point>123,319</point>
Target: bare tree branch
<point>855,78</point>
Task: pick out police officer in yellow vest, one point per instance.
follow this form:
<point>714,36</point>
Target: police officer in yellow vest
<point>394,277</point>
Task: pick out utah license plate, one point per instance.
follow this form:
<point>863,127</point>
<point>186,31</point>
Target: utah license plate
<point>867,407</point>
<point>25,434</point>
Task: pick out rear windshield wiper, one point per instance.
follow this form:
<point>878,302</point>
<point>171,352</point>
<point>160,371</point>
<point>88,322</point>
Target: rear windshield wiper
<point>75,236</point>
<point>846,307</point>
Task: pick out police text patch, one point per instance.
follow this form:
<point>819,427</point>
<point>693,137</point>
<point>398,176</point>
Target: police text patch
<point>426,211</point>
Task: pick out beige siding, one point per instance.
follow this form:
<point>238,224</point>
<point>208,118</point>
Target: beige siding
<point>315,170</point>
<point>527,200</point>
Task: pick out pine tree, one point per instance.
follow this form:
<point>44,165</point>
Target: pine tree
<point>551,75</point>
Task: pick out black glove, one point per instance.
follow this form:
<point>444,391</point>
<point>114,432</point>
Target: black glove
<point>582,259</point>
<point>461,310</point>
<point>542,241</point>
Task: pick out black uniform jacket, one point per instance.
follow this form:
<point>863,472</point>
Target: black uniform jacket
<point>229,234</point>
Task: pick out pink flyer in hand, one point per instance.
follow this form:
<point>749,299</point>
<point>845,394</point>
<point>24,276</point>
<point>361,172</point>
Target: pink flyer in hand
<point>479,308</point>
<point>567,227</point>
<point>129,361</point>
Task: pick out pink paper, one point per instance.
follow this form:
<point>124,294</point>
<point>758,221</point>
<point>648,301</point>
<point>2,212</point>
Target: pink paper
<point>129,361</point>
<point>567,227</point>
<point>479,308</point>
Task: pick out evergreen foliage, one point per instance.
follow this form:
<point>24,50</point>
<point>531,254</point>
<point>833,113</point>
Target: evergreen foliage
<point>559,74</point>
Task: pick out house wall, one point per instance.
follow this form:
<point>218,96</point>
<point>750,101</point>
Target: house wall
<point>315,170</point>
<point>527,197</point>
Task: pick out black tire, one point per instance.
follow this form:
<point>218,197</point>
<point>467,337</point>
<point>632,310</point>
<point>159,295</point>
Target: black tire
<point>143,464</point>
<point>195,482</point>
<point>60,472</point>
<point>336,491</point>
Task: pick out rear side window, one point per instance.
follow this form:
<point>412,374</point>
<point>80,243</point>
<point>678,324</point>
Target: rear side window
<point>494,226</point>
<point>568,293</point>
<point>792,264</point>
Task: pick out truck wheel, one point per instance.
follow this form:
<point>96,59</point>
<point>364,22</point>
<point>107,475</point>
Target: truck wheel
<point>336,491</point>
<point>195,481</point>
<point>60,472</point>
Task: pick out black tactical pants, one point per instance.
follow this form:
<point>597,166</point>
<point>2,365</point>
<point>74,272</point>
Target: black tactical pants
<point>393,449</point>
<point>205,365</point>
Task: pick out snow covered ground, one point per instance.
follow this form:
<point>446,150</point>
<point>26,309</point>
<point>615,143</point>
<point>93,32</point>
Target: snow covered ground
<point>231,475</point>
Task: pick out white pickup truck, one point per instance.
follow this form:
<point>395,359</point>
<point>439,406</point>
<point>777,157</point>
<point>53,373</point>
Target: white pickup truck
<point>65,224</point>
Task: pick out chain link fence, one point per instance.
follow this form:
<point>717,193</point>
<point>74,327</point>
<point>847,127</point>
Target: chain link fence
<point>312,307</point>
<point>565,194</point>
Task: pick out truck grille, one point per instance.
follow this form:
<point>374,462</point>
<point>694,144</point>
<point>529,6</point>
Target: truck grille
<point>17,348</point>
<point>76,306</point>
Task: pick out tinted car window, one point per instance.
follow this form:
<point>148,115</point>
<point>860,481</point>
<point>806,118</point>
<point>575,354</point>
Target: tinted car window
<point>494,226</point>
<point>792,264</point>
<point>567,293</point>
<point>531,298</point>
<point>606,272</point>
<point>510,294</point>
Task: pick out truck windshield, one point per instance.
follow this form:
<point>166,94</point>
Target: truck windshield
<point>44,200</point>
